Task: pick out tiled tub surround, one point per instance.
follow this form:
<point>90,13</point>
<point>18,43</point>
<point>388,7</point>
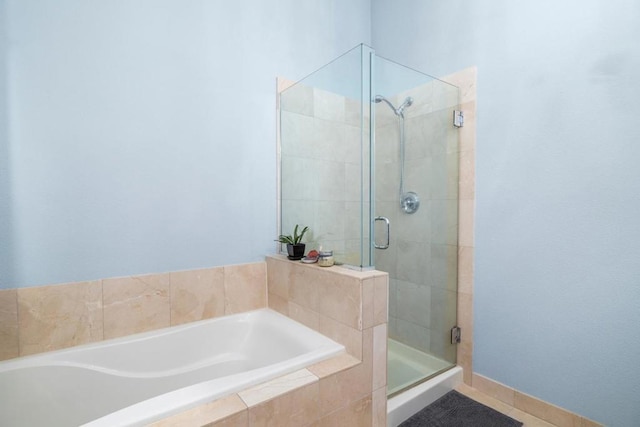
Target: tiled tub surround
<point>347,390</point>
<point>45,318</point>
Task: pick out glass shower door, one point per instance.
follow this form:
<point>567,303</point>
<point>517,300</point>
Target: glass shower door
<point>416,188</point>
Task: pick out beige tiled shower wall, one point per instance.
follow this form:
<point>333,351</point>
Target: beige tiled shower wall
<point>45,318</point>
<point>321,157</point>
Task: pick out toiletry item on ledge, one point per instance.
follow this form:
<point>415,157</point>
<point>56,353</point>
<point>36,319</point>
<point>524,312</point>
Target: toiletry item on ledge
<point>312,257</point>
<point>325,259</point>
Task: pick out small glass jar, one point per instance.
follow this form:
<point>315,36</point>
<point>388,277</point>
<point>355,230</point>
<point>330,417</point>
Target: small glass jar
<point>325,258</point>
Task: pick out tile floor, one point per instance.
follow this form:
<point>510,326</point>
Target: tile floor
<point>527,419</point>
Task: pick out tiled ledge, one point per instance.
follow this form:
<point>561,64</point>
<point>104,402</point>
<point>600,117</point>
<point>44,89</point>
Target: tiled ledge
<point>303,397</point>
<point>349,389</point>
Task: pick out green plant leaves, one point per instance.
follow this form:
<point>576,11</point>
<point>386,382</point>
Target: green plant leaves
<point>295,239</point>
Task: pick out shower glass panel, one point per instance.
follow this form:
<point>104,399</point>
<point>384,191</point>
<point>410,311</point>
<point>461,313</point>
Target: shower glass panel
<point>416,158</point>
<point>324,157</point>
<point>369,161</point>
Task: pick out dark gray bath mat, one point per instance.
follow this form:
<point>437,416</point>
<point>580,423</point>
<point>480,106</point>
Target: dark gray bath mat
<point>457,410</point>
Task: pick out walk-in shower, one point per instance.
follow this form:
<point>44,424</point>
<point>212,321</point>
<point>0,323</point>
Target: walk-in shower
<point>355,136</point>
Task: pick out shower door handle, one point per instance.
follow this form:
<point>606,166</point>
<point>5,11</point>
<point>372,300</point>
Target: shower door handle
<point>386,221</point>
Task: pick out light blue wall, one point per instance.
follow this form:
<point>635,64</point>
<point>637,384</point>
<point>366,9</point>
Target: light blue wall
<point>6,252</point>
<point>140,138</point>
<point>557,267</point>
<point>142,134</point>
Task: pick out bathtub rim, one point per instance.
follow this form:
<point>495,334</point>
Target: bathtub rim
<point>32,360</point>
<point>164,404</point>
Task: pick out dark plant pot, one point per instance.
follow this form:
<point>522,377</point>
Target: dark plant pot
<point>295,252</point>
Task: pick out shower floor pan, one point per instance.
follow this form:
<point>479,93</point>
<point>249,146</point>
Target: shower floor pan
<point>407,366</point>
<point>414,380</point>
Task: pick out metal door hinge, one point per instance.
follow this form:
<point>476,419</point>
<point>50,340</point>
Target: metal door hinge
<point>456,334</point>
<point>458,118</point>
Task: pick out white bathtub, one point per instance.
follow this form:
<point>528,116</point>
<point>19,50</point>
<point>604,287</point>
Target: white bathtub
<point>141,378</point>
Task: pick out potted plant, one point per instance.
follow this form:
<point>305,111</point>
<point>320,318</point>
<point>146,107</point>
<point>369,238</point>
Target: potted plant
<point>295,249</point>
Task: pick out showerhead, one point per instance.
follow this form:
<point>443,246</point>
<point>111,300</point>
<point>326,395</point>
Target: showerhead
<point>407,103</point>
<point>398,111</point>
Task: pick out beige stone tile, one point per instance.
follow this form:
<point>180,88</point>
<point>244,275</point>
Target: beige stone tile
<point>9,347</point>
<point>276,387</point>
<point>467,174</point>
<point>464,358</point>
<point>485,399</point>
<point>218,410</point>
<point>303,286</point>
<point>303,315</point>
<point>334,365</point>
<point>245,287</point>
<point>328,105</point>
<point>528,420</point>
<point>466,82</point>
<point>295,408</point>
<point>351,384</point>
<point>586,422</point>
<point>465,269</point>
<point>545,411</point>
<point>353,112</point>
<point>467,133</point>
<point>197,295</point>
<point>466,222</point>
<point>494,389</point>
<point>340,298</point>
<point>278,303</point>
<point>349,337</point>
<point>283,83</point>
<point>379,407</point>
<point>298,99</point>
<point>465,316</point>
<point>59,316</point>
<point>136,304</point>
<point>379,356</point>
<point>278,276</point>
<point>423,102</point>
<point>240,419</point>
<point>368,291</point>
<point>355,414</point>
<point>381,300</point>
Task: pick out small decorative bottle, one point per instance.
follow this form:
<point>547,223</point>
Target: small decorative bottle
<point>325,258</point>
